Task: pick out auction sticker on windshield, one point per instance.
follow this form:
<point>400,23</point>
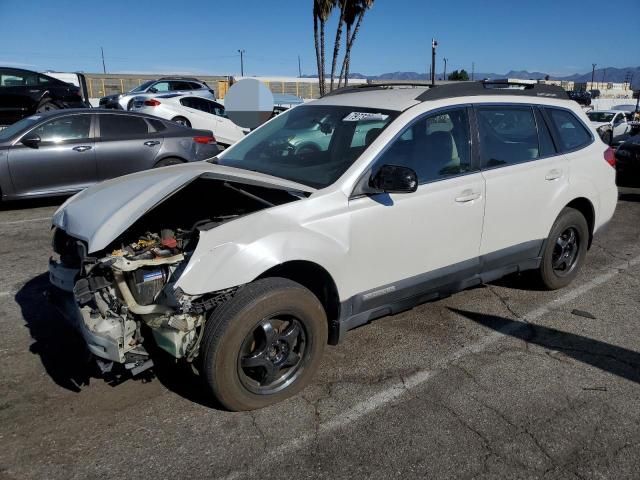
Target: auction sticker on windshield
<point>365,117</point>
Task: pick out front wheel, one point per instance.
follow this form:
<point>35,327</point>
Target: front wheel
<point>165,162</point>
<point>263,345</point>
<point>565,249</point>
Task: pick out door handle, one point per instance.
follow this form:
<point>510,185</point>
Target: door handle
<point>554,174</point>
<point>467,196</point>
<point>82,148</point>
<point>151,143</point>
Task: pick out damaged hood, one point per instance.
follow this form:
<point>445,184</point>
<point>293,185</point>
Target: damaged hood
<point>100,213</point>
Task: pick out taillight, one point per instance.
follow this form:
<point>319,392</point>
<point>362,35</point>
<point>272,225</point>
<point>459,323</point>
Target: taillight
<point>205,140</point>
<point>152,103</point>
<point>610,157</point>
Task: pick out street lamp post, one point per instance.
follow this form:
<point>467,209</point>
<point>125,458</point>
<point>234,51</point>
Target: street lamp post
<point>593,72</point>
<point>241,52</point>
<point>444,75</point>
<point>434,44</point>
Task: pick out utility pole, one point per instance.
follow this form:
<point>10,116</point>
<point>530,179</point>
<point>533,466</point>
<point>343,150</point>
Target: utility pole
<point>299,67</point>
<point>434,44</point>
<point>241,52</point>
<point>473,70</point>
<point>604,76</point>
<point>444,75</point>
<point>104,69</point>
<point>593,72</point>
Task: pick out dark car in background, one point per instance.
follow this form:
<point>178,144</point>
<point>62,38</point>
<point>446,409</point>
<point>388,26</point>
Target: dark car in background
<point>628,163</point>
<point>62,152</point>
<point>23,93</point>
<point>581,96</point>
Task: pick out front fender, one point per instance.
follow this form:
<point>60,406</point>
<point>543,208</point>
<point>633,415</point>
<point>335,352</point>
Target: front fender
<point>232,264</point>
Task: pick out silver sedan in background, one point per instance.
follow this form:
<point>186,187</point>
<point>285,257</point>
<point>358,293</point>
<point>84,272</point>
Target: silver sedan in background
<point>64,151</point>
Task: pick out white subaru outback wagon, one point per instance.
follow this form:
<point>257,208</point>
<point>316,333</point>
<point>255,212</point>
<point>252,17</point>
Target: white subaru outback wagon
<point>249,264</point>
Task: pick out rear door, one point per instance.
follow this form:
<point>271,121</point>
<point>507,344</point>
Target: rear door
<point>525,178</point>
<point>125,144</point>
<point>620,126</point>
<point>63,162</point>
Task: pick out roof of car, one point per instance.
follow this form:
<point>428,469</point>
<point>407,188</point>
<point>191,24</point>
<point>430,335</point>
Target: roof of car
<point>68,111</point>
<point>400,96</point>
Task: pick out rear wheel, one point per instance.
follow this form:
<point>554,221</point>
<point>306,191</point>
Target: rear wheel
<point>165,162</point>
<point>263,345</point>
<point>608,137</point>
<point>182,121</point>
<point>565,249</point>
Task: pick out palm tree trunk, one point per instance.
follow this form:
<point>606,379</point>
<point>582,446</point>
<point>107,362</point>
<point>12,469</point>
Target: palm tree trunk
<point>336,45</point>
<point>347,56</point>
<point>322,82</point>
<point>346,53</point>
<point>316,39</point>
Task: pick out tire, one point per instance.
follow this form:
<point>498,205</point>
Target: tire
<point>608,138</point>
<point>130,104</point>
<point>561,262</point>
<point>236,350</point>
<point>182,121</point>
<point>46,106</point>
<point>165,162</point>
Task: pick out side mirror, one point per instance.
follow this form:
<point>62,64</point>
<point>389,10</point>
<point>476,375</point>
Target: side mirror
<point>31,140</point>
<point>153,90</point>
<point>394,179</point>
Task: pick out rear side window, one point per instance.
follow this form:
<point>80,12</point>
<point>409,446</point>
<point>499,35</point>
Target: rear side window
<point>113,127</point>
<point>508,135</point>
<point>157,125</point>
<point>571,132</point>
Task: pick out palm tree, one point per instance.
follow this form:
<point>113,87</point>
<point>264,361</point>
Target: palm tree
<point>356,10</point>
<point>336,44</point>
<point>321,12</point>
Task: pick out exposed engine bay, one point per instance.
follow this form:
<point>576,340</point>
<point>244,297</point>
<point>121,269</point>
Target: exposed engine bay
<point>128,289</point>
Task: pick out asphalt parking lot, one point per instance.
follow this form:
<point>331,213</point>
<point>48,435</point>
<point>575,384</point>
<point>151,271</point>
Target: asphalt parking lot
<point>502,381</point>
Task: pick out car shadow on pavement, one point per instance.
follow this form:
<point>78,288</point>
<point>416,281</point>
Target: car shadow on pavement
<point>67,361</point>
<point>629,197</point>
<point>619,361</point>
<point>61,349</point>
<point>527,280</point>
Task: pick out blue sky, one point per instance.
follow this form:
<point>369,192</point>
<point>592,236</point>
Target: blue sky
<point>204,36</point>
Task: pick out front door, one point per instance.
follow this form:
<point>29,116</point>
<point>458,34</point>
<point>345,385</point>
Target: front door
<point>64,161</point>
<point>405,245</point>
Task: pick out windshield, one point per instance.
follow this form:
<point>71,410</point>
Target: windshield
<point>11,130</point>
<point>600,116</point>
<point>312,145</point>
<point>142,86</point>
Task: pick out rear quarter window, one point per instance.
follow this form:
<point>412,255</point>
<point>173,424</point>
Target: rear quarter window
<point>572,134</point>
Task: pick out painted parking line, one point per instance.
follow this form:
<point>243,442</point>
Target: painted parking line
<point>400,388</point>
<point>28,220</point>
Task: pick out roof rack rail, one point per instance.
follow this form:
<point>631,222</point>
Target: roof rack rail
<point>494,87</point>
<point>374,86</point>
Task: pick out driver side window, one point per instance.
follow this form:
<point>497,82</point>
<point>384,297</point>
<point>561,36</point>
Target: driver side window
<point>436,146</point>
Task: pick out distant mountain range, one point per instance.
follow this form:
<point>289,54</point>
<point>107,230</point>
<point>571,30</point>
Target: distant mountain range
<point>609,74</point>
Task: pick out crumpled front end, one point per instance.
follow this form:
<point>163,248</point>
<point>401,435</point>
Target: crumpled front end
<point>125,293</point>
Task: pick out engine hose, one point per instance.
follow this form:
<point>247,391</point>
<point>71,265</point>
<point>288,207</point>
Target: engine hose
<point>134,306</point>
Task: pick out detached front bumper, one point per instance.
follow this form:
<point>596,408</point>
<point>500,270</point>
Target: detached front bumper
<point>62,298</point>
